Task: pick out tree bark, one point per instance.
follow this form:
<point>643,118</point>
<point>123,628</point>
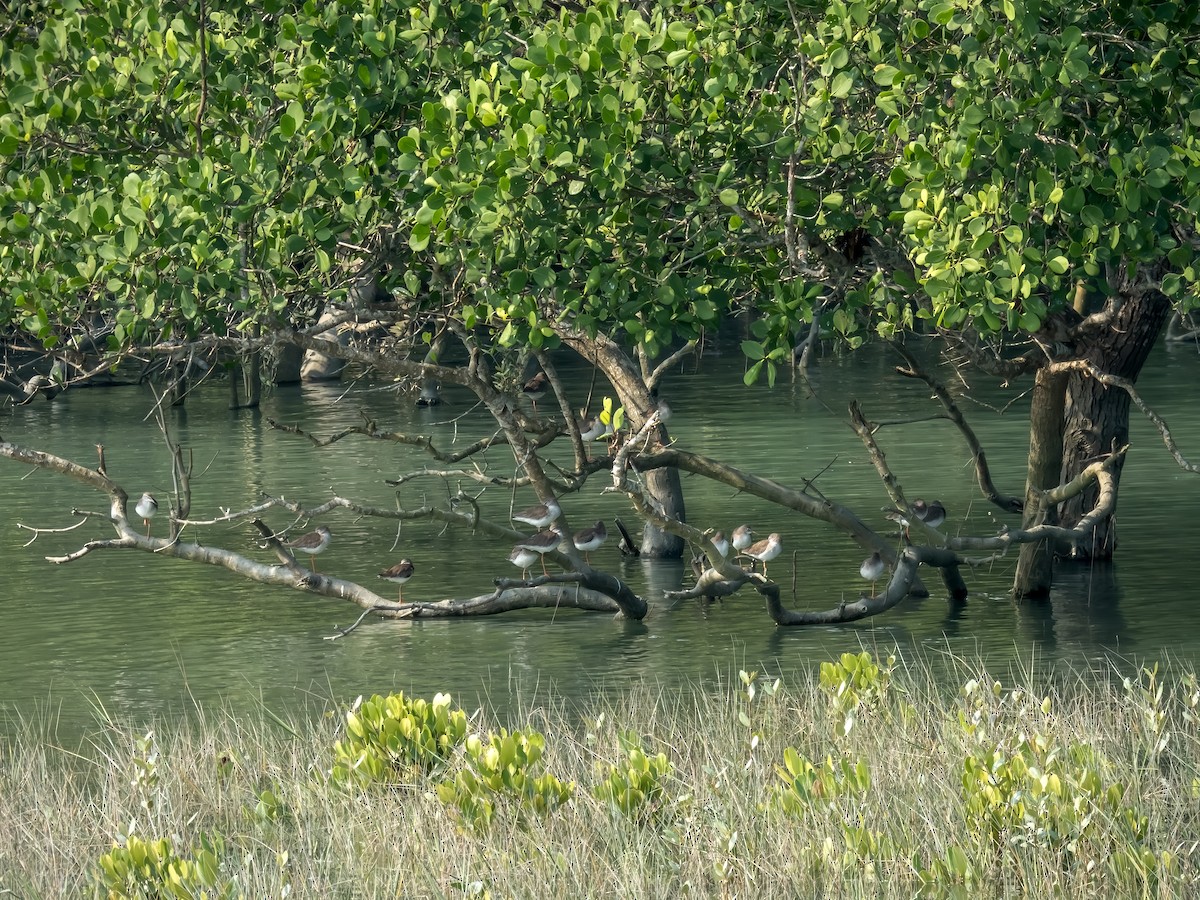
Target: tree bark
<point>1035,566</point>
<point>1097,416</point>
<point>662,485</point>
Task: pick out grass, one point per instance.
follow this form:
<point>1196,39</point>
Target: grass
<point>865,780</point>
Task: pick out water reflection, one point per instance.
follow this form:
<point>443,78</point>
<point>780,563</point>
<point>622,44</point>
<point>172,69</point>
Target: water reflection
<point>154,637</point>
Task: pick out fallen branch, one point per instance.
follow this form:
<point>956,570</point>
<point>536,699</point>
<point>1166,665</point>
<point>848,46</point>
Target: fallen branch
<point>900,586</point>
<point>423,441</point>
<point>591,589</point>
<point>1100,472</point>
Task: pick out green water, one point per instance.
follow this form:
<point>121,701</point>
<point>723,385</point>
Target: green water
<point>146,637</point>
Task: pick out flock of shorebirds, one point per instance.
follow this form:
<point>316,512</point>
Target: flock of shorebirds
<point>545,515</point>
<point>932,514</point>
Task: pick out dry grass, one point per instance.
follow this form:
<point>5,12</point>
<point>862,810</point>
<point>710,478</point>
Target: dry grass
<point>723,832</point>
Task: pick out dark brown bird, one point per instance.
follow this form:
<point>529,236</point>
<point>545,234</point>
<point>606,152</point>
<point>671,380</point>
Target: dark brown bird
<point>535,389</point>
<point>588,539</point>
<point>398,574</point>
<point>542,543</point>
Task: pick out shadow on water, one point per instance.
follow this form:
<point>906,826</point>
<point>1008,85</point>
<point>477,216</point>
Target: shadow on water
<point>152,637</point>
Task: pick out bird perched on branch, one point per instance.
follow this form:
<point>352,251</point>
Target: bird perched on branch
<point>743,537</point>
<point>588,539</point>
<point>542,543</point>
<point>935,514</point>
<point>147,507</point>
<point>719,541</point>
<point>540,515</point>
<point>399,574</point>
<point>872,569</point>
<point>592,429</point>
<point>312,543</point>
<point>523,559</point>
<point>765,550</point>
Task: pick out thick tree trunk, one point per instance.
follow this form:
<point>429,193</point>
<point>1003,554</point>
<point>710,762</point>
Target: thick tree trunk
<point>1035,566</point>
<point>1098,416</point>
<point>663,486</point>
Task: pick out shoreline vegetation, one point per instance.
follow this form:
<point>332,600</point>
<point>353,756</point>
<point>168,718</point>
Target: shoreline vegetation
<point>871,777</point>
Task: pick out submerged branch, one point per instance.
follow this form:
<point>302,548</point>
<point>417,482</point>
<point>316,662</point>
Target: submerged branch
<point>593,589</point>
<point>1101,473</point>
<point>900,586</point>
<point>423,441</point>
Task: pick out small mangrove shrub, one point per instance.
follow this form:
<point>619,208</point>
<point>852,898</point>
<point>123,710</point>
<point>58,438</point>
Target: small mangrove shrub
<point>150,870</point>
<point>817,788</point>
<point>1023,788</point>
<point>268,807</point>
<point>635,788</point>
<point>1034,792</point>
<point>503,766</point>
<point>1145,695</point>
<point>755,692</point>
<point>954,868</point>
<point>397,739</point>
<point>834,792</point>
<point>145,777</point>
<point>856,680</point>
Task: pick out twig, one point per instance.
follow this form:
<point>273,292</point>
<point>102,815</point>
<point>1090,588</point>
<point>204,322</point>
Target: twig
<point>342,632</point>
<point>670,362</point>
<point>37,532</point>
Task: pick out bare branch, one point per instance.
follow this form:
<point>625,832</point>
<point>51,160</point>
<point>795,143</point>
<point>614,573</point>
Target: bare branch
<point>114,543</point>
<point>822,509</point>
<point>502,601</point>
<point>669,363</point>
<point>564,405</point>
<point>810,340</point>
<point>987,358</point>
<point>983,473</point>
<point>342,632</point>
<point>651,510</point>
<point>38,532</point>
<point>898,588</point>
<point>866,434</point>
<point>1100,472</point>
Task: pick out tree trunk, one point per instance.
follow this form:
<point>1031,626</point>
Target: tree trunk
<point>1035,566</point>
<point>663,486</point>
<point>1098,416</point>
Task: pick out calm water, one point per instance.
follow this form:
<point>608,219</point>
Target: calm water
<point>145,637</point>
